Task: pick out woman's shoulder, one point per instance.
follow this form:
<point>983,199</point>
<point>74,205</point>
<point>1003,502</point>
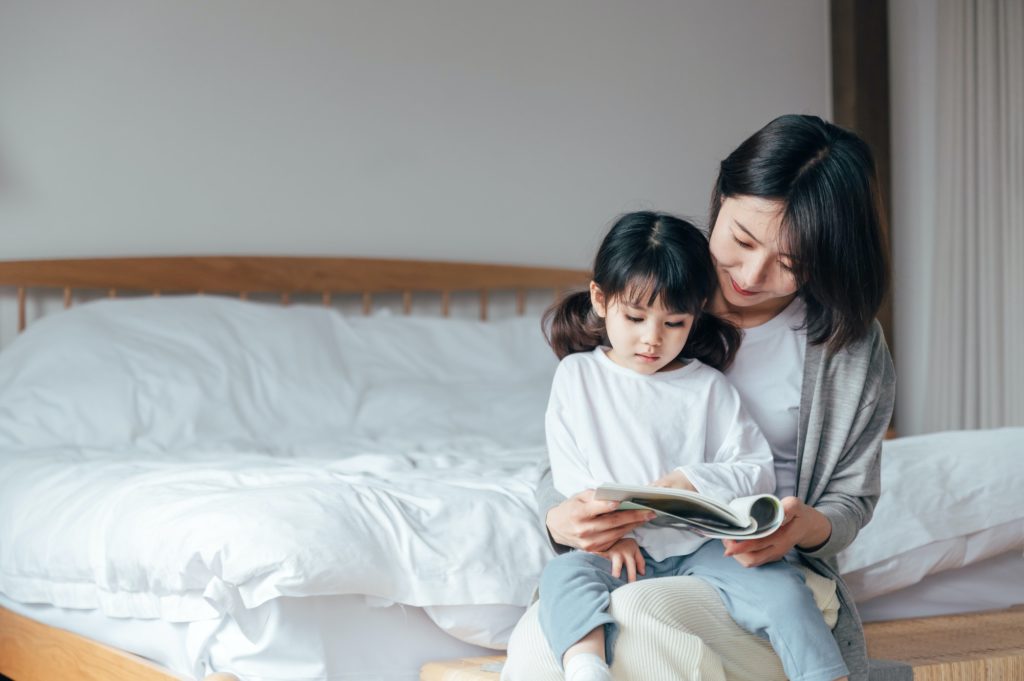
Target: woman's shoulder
<point>870,348</point>
<point>866,359</point>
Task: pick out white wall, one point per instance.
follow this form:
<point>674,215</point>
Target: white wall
<point>913,49</point>
<point>455,129</point>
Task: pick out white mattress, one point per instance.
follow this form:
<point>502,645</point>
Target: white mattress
<point>992,584</point>
<point>332,637</point>
<point>341,637</point>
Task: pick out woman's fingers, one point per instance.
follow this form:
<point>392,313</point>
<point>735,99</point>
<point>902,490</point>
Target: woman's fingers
<point>766,555</point>
<point>735,548</point>
<point>620,519</point>
<point>602,541</point>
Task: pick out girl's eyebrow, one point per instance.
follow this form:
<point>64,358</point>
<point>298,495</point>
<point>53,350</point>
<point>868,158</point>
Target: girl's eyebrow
<point>643,308</point>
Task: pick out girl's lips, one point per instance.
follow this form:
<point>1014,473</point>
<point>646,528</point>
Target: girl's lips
<point>647,358</point>
<point>741,291</point>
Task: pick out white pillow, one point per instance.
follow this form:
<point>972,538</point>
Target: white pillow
<point>170,373</point>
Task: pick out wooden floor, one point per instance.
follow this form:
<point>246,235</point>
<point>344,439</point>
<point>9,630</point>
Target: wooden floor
<point>985,646</point>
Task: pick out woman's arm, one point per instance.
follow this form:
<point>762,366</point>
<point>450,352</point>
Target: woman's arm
<point>849,498</point>
<point>581,521</point>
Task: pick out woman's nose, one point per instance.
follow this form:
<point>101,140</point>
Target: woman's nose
<point>756,271</point>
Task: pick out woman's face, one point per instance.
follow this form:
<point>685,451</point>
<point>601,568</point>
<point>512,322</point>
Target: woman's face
<point>752,265</point>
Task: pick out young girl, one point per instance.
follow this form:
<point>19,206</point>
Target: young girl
<point>637,397</point>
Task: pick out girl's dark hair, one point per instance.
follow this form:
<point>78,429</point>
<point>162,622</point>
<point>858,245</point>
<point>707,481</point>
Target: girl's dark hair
<point>647,256</point>
<point>832,225</point>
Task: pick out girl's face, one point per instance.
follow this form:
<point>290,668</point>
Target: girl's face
<point>644,338</point>
<point>752,265</point>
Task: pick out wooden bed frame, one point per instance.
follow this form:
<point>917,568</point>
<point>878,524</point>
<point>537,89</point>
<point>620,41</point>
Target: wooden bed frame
<point>30,651</point>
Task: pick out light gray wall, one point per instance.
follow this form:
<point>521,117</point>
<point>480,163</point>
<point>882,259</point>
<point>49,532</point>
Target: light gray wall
<point>454,129</point>
<point>913,31</point>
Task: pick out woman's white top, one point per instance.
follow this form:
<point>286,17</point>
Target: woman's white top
<point>607,423</point>
<point>768,374</point>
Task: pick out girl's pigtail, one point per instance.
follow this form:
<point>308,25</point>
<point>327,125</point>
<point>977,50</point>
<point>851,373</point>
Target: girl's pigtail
<point>713,341</point>
<point>571,325</point>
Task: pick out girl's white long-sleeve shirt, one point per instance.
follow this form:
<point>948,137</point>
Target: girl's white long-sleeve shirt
<point>607,423</point>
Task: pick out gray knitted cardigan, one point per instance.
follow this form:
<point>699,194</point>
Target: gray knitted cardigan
<point>845,409</point>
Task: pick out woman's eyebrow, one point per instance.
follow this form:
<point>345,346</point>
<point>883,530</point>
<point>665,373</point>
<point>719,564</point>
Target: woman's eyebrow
<point>747,231</point>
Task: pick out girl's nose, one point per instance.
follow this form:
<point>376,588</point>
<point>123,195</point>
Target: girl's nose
<point>652,336</point>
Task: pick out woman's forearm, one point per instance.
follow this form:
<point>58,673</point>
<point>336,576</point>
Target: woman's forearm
<point>817,532</point>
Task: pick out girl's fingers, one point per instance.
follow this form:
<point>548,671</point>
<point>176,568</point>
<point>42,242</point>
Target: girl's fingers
<point>631,567</point>
<point>641,563</point>
<point>616,564</point>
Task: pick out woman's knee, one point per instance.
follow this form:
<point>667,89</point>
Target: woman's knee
<point>529,655</point>
<point>673,601</point>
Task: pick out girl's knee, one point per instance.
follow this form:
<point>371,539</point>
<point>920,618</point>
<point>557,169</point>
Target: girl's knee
<point>572,568</point>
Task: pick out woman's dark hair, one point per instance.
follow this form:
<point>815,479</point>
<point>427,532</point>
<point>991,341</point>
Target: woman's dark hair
<point>648,256</point>
<point>832,224</point>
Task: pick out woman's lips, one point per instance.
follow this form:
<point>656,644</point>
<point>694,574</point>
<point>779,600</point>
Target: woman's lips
<point>741,291</point>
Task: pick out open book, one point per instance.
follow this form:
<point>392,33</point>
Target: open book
<point>742,518</point>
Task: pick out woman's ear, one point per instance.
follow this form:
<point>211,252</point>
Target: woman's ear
<point>597,300</point>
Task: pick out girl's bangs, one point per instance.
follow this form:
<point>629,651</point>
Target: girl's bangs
<point>675,294</point>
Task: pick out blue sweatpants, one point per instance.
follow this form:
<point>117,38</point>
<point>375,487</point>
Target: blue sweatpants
<point>771,601</point>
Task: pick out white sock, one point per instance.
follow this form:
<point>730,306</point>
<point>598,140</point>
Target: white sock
<point>587,667</point>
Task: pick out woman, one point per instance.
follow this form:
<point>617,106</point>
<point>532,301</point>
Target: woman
<point>797,239</point>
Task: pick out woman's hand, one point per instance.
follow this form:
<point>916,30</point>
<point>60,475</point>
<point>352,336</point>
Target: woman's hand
<point>674,479</point>
<point>586,523</point>
<point>802,526</point>
<point>625,552</point>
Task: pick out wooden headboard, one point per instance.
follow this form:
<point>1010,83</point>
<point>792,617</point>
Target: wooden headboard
<point>284,277</point>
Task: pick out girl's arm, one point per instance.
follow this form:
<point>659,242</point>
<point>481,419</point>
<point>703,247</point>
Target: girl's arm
<point>580,521</point>
<point>738,461</point>
<point>570,470</point>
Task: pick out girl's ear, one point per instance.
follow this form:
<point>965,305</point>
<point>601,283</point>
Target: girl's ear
<point>597,300</point>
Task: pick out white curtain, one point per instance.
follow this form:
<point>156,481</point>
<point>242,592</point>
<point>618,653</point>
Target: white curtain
<point>977,335</point>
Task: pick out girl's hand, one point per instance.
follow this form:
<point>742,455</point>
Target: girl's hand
<point>625,552</point>
<point>585,523</point>
<point>674,479</point>
<point>802,526</point>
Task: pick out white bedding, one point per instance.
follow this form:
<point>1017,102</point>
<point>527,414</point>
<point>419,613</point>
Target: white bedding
<point>301,639</point>
<point>194,459</point>
<point>160,461</point>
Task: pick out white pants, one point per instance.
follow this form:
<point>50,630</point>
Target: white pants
<point>671,629</point>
